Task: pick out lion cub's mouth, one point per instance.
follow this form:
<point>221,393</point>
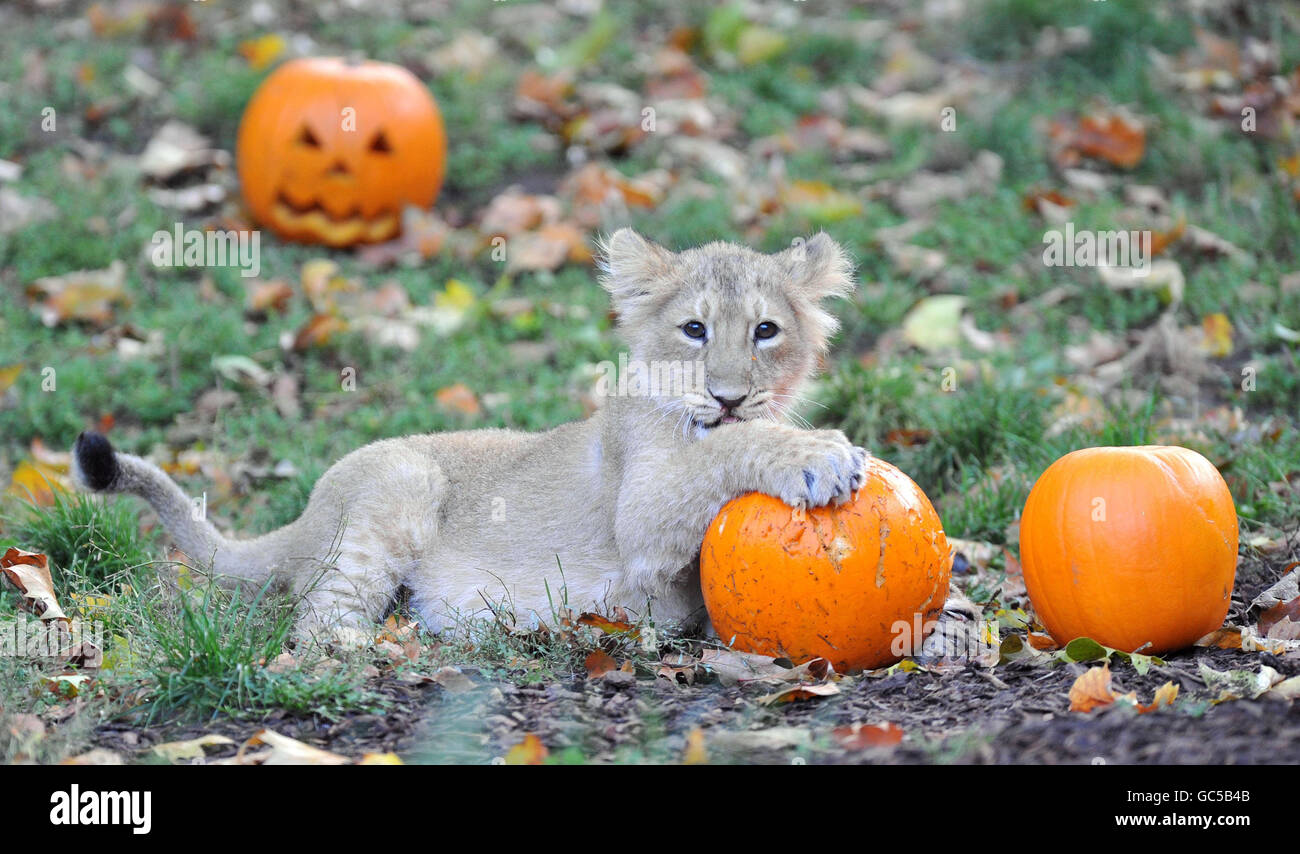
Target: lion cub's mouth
<point>722,419</point>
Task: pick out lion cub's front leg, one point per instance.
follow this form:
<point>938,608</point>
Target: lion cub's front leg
<point>668,500</point>
<point>804,468</point>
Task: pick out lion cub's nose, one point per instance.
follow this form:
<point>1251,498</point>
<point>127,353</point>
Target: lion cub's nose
<point>728,402</point>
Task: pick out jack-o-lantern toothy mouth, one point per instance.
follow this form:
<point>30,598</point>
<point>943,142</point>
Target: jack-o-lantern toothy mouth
<point>315,220</point>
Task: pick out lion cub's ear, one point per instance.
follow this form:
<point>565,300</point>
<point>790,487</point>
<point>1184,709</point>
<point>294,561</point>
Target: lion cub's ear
<point>819,267</point>
<point>634,270</point>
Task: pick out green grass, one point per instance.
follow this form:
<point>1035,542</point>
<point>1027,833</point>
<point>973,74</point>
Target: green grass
<point>207,651</point>
<point>92,545</point>
<point>982,443</point>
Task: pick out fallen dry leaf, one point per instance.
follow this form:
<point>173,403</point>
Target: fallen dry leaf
<point>95,756</point>
<point>1092,689</point>
<point>1282,621</point>
<point>453,680</point>
<point>1226,638</point>
<point>8,376</point>
<point>268,296</point>
<point>819,201</point>
<point>29,572</point>
<point>861,736</point>
<point>318,331</point>
<point>548,248</point>
<point>1217,337</point>
<point>175,149</point>
<point>598,663</point>
<point>733,667</point>
<point>613,626</point>
<point>87,295</point>
<point>1041,642</point>
<point>284,751</point>
<point>530,751</point>
<point>263,50</point>
<point>37,483</point>
<point>1115,137</point>
<point>186,751</point>
<point>695,753</point>
<point>800,692</point>
<point>458,399</point>
<point>1165,696</point>
<point>934,323</point>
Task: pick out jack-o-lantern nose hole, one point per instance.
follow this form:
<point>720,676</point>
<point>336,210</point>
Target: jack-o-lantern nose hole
<point>338,169</point>
<point>380,145</point>
<point>307,138</point>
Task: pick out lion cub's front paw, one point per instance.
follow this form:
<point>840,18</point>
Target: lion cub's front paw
<point>816,468</point>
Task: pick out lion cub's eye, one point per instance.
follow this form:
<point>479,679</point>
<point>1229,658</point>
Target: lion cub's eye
<point>766,329</point>
<point>694,329</point>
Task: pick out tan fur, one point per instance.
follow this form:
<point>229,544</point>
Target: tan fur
<point>607,511</point>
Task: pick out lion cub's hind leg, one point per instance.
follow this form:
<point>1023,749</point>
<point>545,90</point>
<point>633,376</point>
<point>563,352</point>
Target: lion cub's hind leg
<point>387,496</point>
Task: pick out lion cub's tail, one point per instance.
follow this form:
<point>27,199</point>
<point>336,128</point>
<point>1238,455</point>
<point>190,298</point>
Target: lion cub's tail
<point>97,467</point>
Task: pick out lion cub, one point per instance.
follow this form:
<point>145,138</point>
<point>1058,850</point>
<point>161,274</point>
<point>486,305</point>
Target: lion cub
<point>609,511</point>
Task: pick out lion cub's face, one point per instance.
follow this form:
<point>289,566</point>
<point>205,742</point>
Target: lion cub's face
<point>743,330</point>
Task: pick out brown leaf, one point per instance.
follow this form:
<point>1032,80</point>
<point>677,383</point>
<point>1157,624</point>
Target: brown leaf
<point>1033,199</point>
<point>1165,696</point>
<point>67,685</point>
<point>530,751</point>
<point>453,680</point>
<point>458,398</point>
<point>678,668</point>
<point>8,376</point>
<point>285,751</point>
<point>1281,621</point>
<point>176,149</point>
<point>86,295</point>
<point>538,96</point>
<point>262,51</point>
<point>423,235</point>
<point>606,624</point>
<point>695,753</point>
<point>1092,689</point>
<point>317,331</point>
<point>513,213</point>
<point>1222,639</point>
<point>860,736</point>
<point>598,663</point>
<point>172,22</point>
<point>800,692</point>
<point>1113,137</point>
<point>1216,338</point>
<point>30,573</point>
<point>1162,240</point>
<point>268,296</point>
<point>1041,641</point>
<point>36,482</point>
<point>95,756</point>
<point>187,751</point>
<point>548,248</point>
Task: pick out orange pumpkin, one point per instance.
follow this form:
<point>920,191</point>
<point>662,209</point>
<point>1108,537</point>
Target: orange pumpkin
<point>851,584</point>
<point>330,150</point>
<point>1135,548</point>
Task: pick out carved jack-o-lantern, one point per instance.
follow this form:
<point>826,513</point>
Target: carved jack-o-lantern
<point>330,151</point>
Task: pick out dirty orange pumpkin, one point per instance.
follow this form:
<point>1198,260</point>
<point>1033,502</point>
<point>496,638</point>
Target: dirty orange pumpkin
<point>1134,547</point>
<point>331,150</point>
<point>851,584</point>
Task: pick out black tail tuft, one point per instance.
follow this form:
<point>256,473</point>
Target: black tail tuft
<point>96,460</point>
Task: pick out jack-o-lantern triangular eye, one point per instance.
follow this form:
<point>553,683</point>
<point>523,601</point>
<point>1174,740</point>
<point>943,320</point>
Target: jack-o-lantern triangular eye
<point>307,138</point>
<point>379,144</point>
